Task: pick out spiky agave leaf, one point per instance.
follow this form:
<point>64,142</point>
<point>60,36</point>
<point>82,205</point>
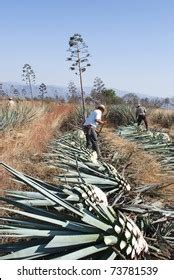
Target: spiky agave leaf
<point>75,234</point>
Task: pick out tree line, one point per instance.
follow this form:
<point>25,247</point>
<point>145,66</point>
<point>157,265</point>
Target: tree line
<point>79,59</point>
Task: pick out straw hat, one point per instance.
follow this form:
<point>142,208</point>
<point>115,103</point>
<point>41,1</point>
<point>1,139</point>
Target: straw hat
<point>102,108</point>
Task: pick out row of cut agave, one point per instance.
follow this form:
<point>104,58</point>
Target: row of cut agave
<point>78,166</point>
<point>157,143</point>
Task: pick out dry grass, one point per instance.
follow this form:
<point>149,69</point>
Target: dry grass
<point>162,119</point>
<point>22,148</point>
<point>168,194</point>
<point>139,166</point>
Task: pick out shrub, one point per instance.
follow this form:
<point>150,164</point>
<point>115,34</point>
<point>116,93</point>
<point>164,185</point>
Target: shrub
<point>121,114</point>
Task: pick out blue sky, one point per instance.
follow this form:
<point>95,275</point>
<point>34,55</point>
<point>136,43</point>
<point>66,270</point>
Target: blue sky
<point>131,42</point>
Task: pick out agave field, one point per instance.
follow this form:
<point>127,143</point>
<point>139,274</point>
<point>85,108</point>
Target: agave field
<point>18,116</point>
<point>91,212</point>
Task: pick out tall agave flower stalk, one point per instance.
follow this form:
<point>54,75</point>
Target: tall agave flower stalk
<point>98,232</point>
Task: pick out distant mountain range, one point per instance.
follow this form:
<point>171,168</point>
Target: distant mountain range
<point>60,91</point>
<point>51,90</point>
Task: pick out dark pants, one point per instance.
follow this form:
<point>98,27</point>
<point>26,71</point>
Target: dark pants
<point>91,139</point>
<point>142,118</point>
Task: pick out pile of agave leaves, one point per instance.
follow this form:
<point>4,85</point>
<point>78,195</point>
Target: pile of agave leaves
<point>91,213</point>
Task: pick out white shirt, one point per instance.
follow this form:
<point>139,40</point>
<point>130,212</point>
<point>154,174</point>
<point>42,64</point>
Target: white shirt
<point>11,103</point>
<point>91,119</point>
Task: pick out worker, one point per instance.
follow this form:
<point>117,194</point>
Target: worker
<point>90,126</point>
<point>141,116</point>
<point>11,103</point>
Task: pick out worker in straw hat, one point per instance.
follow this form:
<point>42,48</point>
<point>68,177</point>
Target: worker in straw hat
<point>11,103</point>
<point>90,126</point>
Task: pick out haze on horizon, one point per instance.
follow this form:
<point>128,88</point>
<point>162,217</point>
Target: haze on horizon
<point>131,42</point>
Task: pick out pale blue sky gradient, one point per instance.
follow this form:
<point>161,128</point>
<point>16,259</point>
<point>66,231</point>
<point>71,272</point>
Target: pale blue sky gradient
<point>131,42</point>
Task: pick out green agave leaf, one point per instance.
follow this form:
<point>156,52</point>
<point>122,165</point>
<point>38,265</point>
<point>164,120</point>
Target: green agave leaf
<point>107,213</point>
<point>91,181</point>
<point>36,216</point>
<point>29,253</point>
<point>92,220</point>
<point>61,238</point>
<point>74,226</point>
<point>82,253</point>
<point>64,241</point>
<point>37,202</point>
<point>112,256</point>
<point>97,210</point>
<point>28,224</point>
<point>25,194</point>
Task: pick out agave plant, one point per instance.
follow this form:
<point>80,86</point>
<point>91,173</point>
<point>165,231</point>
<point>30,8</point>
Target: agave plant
<point>78,233</point>
<point>75,119</point>
<point>122,114</point>
<point>18,116</point>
